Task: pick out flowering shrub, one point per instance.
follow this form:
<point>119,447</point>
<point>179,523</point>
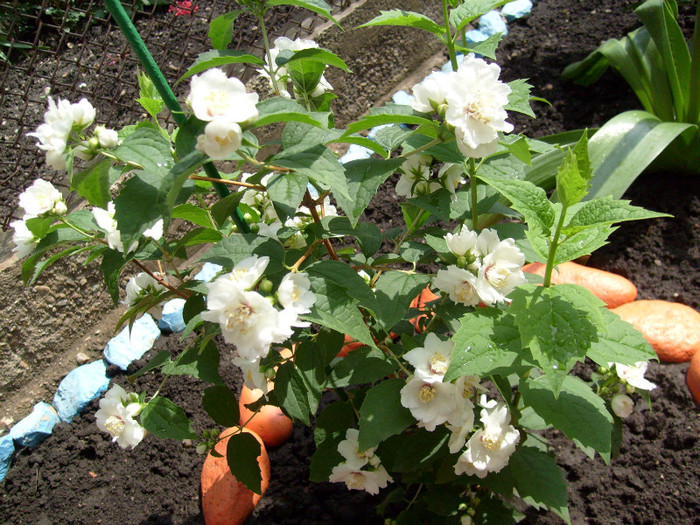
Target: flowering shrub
<point>451,404</point>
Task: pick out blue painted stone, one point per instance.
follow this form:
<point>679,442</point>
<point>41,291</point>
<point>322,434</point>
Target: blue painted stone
<point>372,135</point>
<point>79,387</point>
<point>355,152</point>
<point>492,23</point>
<point>208,272</point>
<point>127,346</point>
<point>171,319</point>
<point>36,427</point>
<point>401,97</point>
<point>517,9</point>
<point>7,450</point>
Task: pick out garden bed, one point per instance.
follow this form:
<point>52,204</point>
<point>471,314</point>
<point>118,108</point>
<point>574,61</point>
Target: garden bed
<point>78,476</point>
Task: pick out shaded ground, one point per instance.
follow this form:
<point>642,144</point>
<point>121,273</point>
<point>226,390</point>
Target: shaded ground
<point>78,476</point>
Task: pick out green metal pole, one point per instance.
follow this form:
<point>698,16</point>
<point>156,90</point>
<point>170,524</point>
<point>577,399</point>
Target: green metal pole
<point>156,75</point>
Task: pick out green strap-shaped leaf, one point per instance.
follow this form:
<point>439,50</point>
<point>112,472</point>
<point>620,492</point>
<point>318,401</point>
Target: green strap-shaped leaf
<point>164,419</point>
<point>577,411</point>
<point>382,415</point>
<point>399,17</point>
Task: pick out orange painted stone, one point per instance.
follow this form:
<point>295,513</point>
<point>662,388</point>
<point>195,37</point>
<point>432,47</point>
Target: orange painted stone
<point>672,329</point>
<point>692,377</point>
<point>225,501</point>
<point>614,290</point>
<point>270,423</point>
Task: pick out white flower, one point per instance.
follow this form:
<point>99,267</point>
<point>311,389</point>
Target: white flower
<point>634,375</point>
<point>461,421</point>
<point>82,113</point>
<point>24,240</point>
<point>490,448</point>
<point>294,293</point>
<point>622,405</point>
<point>500,272</point>
<point>247,272</point>
<point>279,78</point>
<point>247,319</point>
<point>356,479</point>
<point>349,449</point>
<point>116,416</point>
<point>40,198</point>
<point>462,243</point>
<point>155,232</point>
<point>459,284</point>
<point>431,92</point>
<point>220,139</point>
<point>106,221</point>
<point>432,360</point>
<point>451,175</point>
<point>476,106</point>
<point>416,177</point>
<point>214,96</point>
<point>431,404</point>
<point>108,138</point>
<point>252,376</point>
<point>140,286</point>
<point>487,241</point>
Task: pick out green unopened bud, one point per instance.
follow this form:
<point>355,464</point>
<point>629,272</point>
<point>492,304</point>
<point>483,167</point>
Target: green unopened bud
<point>247,217</point>
<point>270,373</point>
<point>206,434</point>
<point>462,261</point>
<point>266,286</point>
<point>630,389</point>
<point>603,370</point>
<point>202,448</point>
<point>255,227</point>
<point>462,507</point>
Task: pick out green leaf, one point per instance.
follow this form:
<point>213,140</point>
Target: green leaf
<point>177,177</point>
<point>329,431</point>
<point>362,365</point>
<point>111,266</point>
<point>93,183</point>
<point>164,419</point>
<point>391,137</point>
<point>519,97</point>
<point>607,211</point>
<point>558,324</point>
<point>242,451</point>
<point>574,174</point>
<point>539,480</point>
<point>577,411</point>
<point>305,74</point>
<point>316,6</point>
<point>341,274</point>
<point>316,54</point>
<point>487,343</point>
<point>364,177</point>
<point>374,120</point>
<point>520,149</point>
<point>218,58</point>
<point>619,342</point>
<point>486,48</point>
<point>466,12</point>
<point>221,29</point>
<point>198,361</point>
<point>581,243</point>
<point>368,235</point>
<point>294,395</point>
<point>160,359</point>
<point>194,214</point>
<point>286,190</point>
<point>399,17</point>
<point>413,451</point>
<point>278,109</point>
<point>224,208</point>
<point>528,199</point>
<point>222,406</point>
<point>236,247</point>
<point>382,414</point>
<point>394,291</point>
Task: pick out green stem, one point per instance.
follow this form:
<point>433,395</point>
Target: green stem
<point>266,41</point>
<point>75,228</point>
<point>475,198</point>
<point>161,84</point>
<point>694,87</point>
<point>553,249</point>
<point>449,40</point>
<point>422,148</point>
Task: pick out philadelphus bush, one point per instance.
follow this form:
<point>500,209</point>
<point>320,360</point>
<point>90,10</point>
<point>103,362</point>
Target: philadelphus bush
<point>443,404</point>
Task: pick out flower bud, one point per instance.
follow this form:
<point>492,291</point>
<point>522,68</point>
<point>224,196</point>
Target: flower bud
<point>107,138</point>
<point>270,373</point>
<point>630,389</point>
<point>60,208</point>
<point>622,405</point>
<point>266,286</point>
<point>215,432</point>
<point>602,370</point>
<point>202,448</point>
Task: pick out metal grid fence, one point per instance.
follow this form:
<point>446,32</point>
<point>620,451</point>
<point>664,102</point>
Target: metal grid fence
<point>73,49</point>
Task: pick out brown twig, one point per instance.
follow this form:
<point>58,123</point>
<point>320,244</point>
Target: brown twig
<point>180,293</point>
<point>311,204</point>
<point>227,181</point>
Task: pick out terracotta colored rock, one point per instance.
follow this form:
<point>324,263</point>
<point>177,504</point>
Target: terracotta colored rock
<point>419,302</point>
<point>269,423</point>
<point>226,501</point>
<point>692,377</point>
<point>609,287</point>
<point>672,329</point>
<point>349,346</point>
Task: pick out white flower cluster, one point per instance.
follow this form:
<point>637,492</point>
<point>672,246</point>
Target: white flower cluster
<point>226,107</point>
<point>105,220</point>
<point>40,199</point>
<point>417,177</point>
<point>280,76</point>
<point>472,100</point>
<point>140,286</point>
<point>434,402</point>
<point>116,416</point>
<point>632,376</point>
<point>248,319</point>
<point>488,269</point>
<point>360,470</point>
<point>269,224</point>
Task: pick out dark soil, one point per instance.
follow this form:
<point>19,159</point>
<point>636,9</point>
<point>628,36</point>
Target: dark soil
<point>78,476</point>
